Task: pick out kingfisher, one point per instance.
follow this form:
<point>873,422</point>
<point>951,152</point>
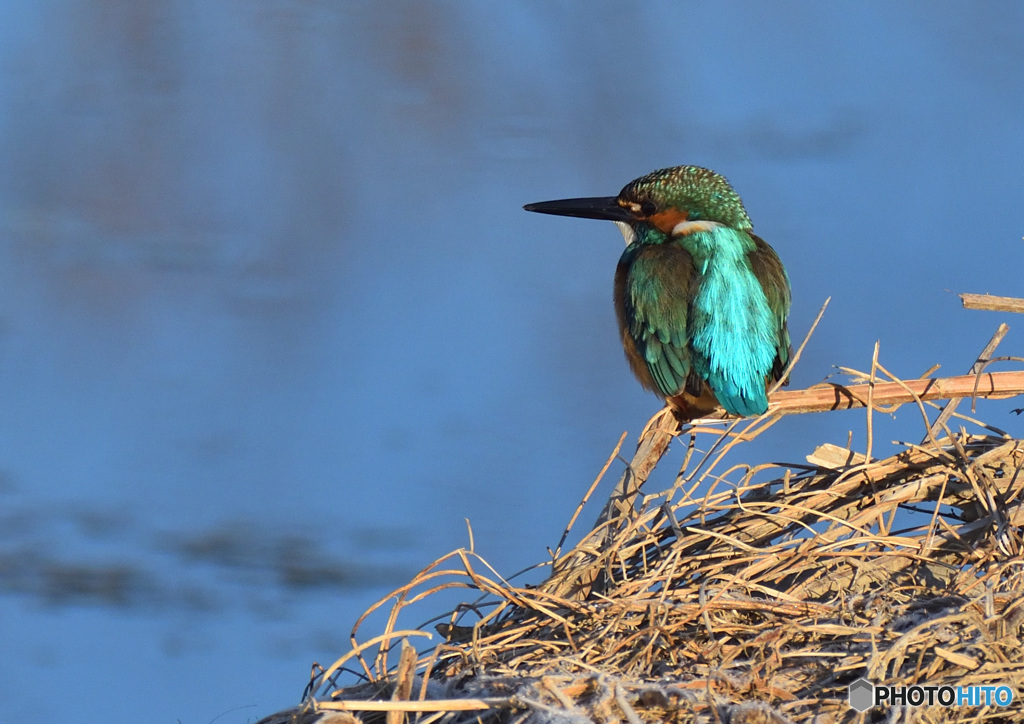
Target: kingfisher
<point>701,300</point>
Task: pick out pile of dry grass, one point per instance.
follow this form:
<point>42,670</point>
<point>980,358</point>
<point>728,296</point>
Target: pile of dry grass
<point>739,594</point>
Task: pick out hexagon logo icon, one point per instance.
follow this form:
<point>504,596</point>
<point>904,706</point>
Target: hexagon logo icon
<point>862,695</point>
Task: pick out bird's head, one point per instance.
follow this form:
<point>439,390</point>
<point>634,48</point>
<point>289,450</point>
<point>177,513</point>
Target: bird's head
<point>663,204</point>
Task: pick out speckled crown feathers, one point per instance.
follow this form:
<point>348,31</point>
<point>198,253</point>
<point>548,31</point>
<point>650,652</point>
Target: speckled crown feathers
<point>706,195</point>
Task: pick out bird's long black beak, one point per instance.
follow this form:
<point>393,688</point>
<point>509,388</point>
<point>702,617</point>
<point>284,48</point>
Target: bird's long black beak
<point>603,207</point>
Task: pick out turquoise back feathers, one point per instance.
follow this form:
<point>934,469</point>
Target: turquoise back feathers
<point>701,301</point>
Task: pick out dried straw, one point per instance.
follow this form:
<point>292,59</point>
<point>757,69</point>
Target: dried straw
<point>739,594</point>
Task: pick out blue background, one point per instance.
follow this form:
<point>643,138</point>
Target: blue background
<point>273,322</point>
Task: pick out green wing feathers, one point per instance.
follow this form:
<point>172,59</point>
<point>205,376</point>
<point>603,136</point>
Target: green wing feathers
<point>653,289</point>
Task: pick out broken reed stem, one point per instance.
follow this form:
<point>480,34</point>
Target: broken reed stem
<point>978,366</point>
<point>403,680</point>
<point>420,705</point>
<point>992,303</point>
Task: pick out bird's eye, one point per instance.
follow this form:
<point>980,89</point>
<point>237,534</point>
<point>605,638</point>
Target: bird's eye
<point>647,208</point>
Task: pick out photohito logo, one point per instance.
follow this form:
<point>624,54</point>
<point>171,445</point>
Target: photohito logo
<point>864,695</point>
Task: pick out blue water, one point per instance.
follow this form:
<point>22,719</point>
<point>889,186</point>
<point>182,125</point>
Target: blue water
<point>273,324</point>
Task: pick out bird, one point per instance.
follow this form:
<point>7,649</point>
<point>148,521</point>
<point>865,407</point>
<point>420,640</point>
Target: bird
<point>702,302</point>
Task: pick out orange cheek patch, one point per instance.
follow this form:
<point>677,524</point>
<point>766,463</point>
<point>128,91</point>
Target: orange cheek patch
<point>666,220</point>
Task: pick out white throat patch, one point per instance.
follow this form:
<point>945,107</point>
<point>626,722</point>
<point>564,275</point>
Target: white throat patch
<point>627,232</point>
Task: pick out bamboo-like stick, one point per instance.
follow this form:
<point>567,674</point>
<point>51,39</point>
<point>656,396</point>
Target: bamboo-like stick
<point>992,303</point>
<point>823,398</point>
